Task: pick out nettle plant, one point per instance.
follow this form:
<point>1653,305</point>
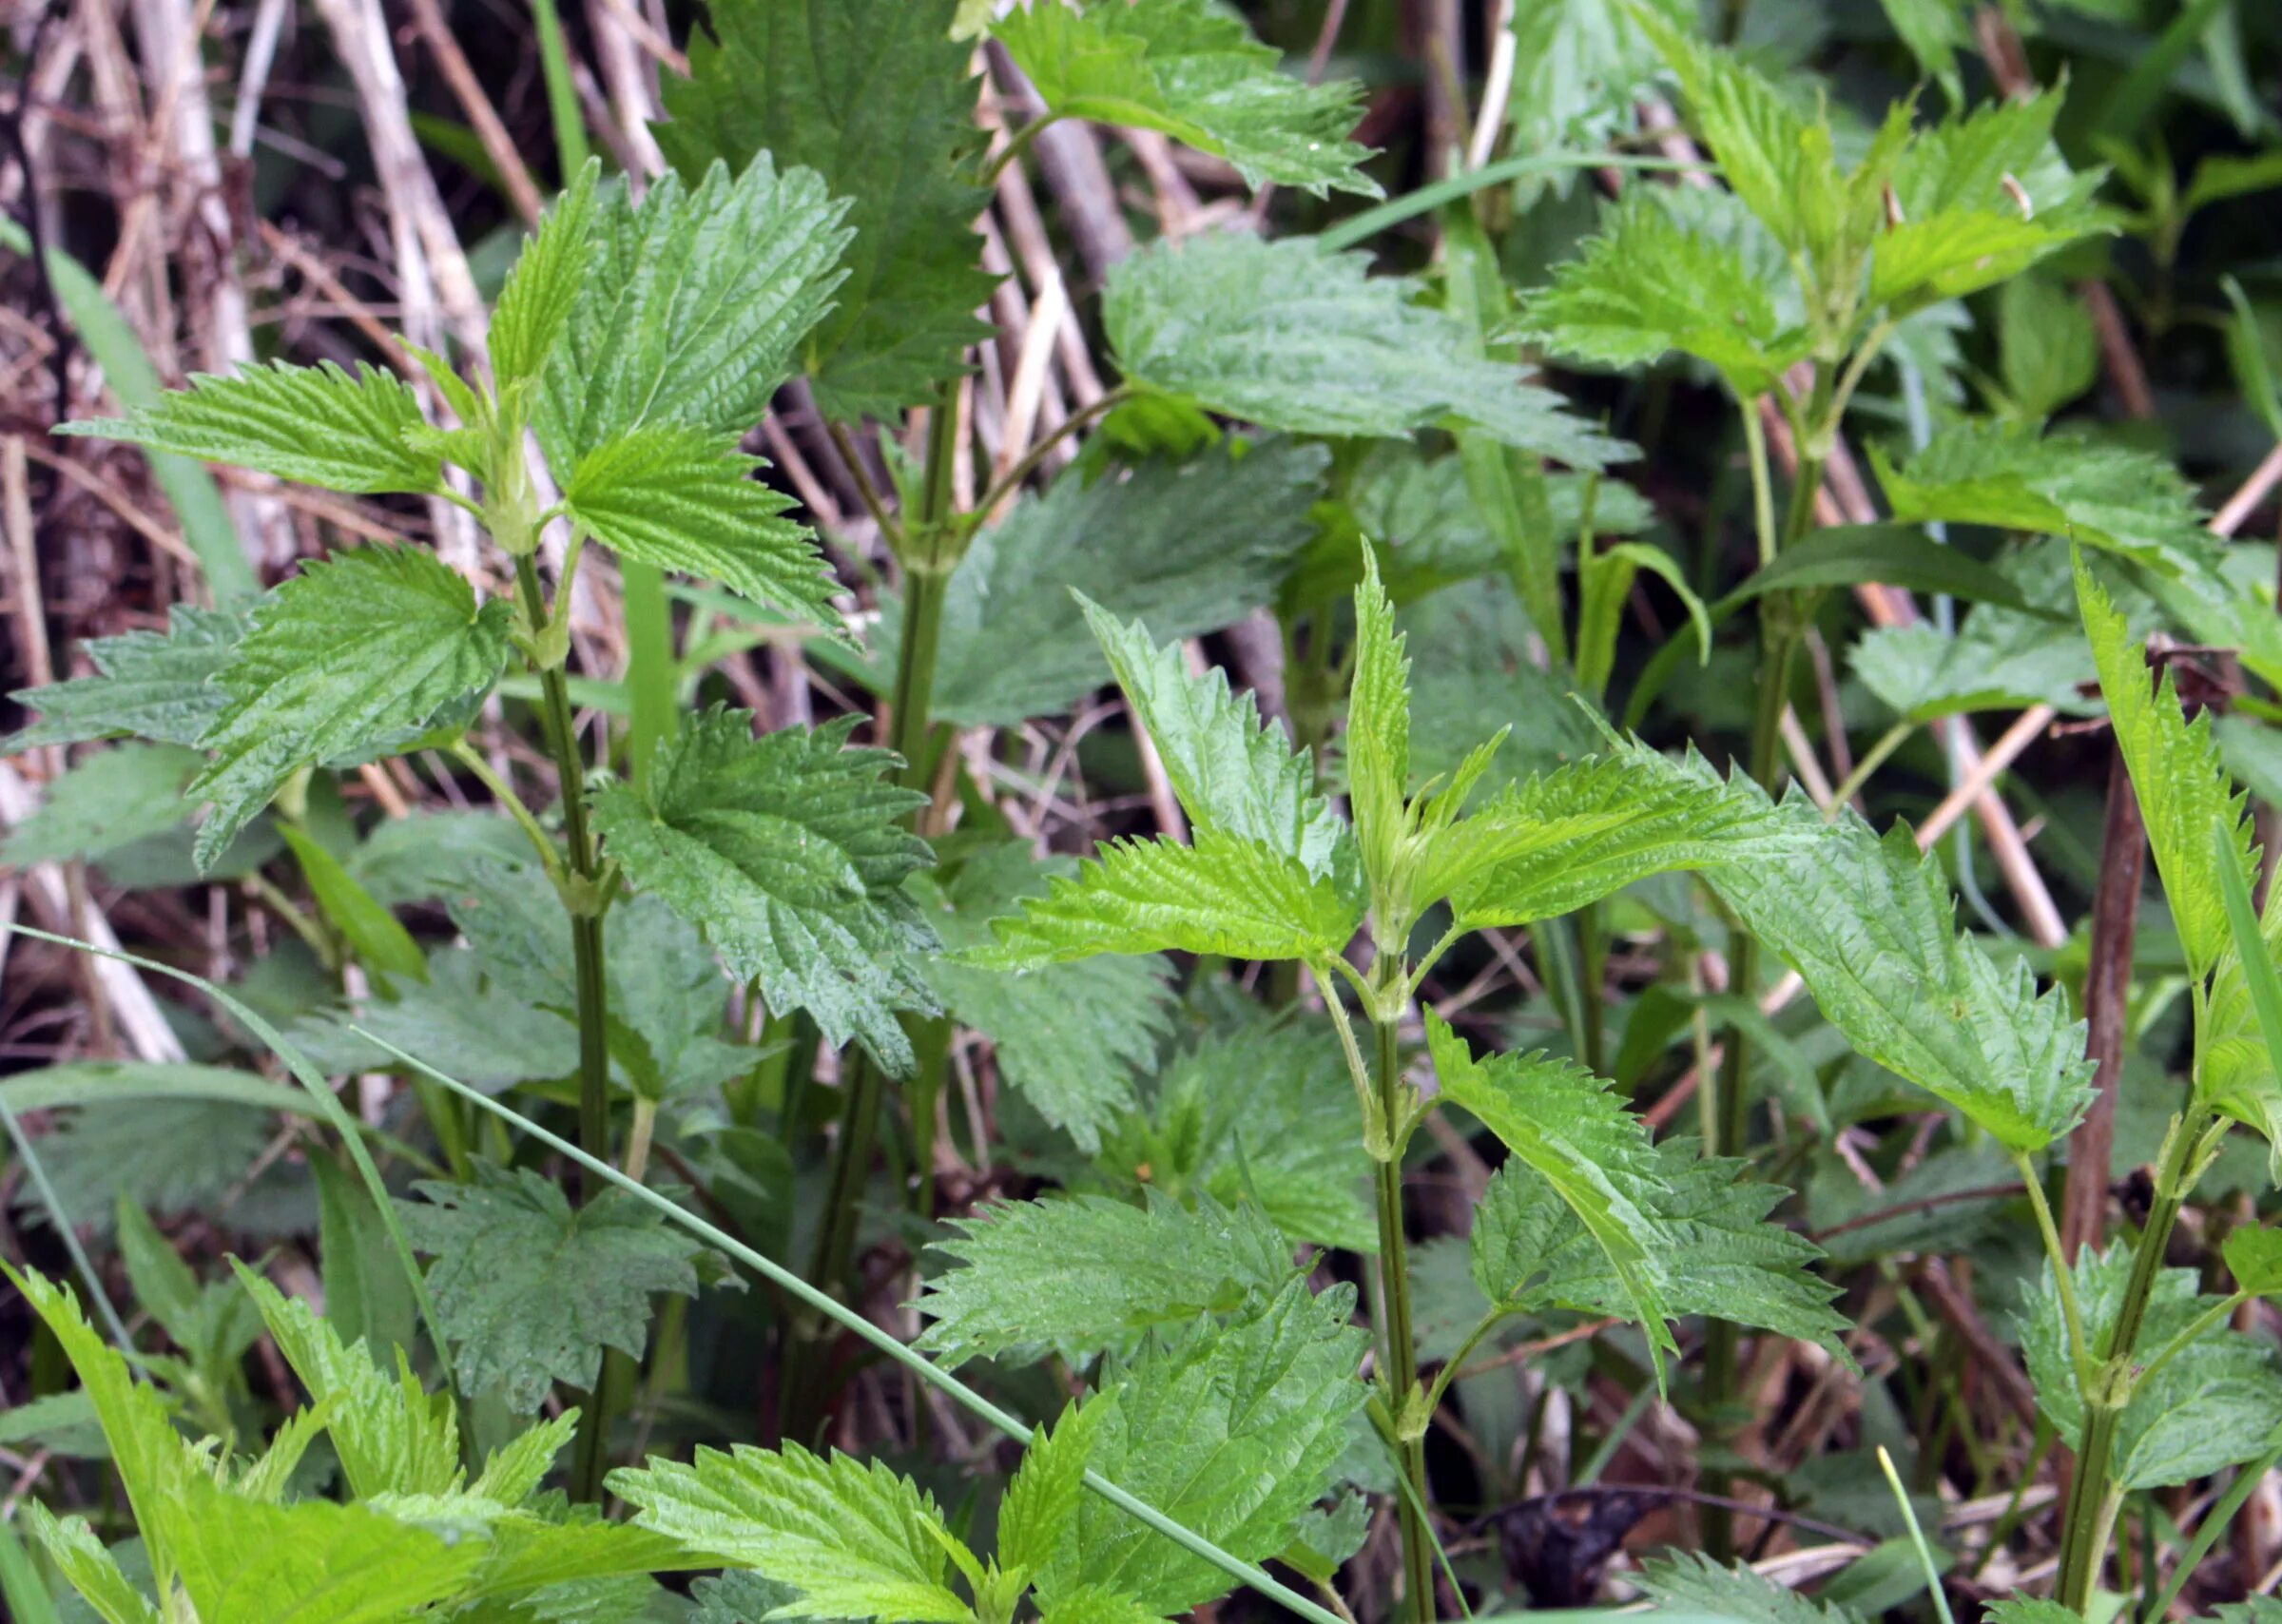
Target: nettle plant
<point>1286,430</point>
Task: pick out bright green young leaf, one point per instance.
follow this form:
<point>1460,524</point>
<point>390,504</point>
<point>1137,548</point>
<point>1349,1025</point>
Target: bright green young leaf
<point>2047,349</point>
<point>392,1436</point>
<point>1188,547</point>
<point>804,79</point>
<point>524,1552</point>
<point>1649,283</point>
<point>1082,1273</point>
<point>530,1290</point>
<point>1378,736</point>
<point>2216,1403</point>
<point>2181,785</point>
<point>684,497</point>
<point>1290,337</point>
<point>1196,73</point>
<point>1071,1039</point>
<point>542,288</point>
<point>1261,1113</point>
<point>318,425</point>
<point>1554,843</point>
<point>2007,476</point>
<point>108,799</point>
<point>1042,1500</point>
<point>153,1462</point>
<point>2241,1060</point>
<point>1720,1256</point>
<point>149,685</point>
<point>2253,1257</point>
<point>358,652</point>
<point>1870,926</point>
<point>1224,895</point>
<point>89,1568</point>
<point>381,943</point>
<point>789,852</point>
<point>1690,1582</point>
<point>310,1562</point>
<point>1233,772</point>
<point>852,1538</point>
<point>513,1472</point>
<point>692,310</point>
<point>1235,1432</point>
<point>1570,1130</point>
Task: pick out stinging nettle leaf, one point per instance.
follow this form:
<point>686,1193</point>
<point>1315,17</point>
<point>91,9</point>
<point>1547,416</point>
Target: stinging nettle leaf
<point>1231,770</point>
<point>318,425</point>
<point>358,651</point>
<point>1080,1274</point>
<point>1870,927</point>
<point>1197,73</point>
<point>149,685</point>
<point>875,96</point>
<point>1290,336</point>
<point>542,290</point>
<point>1187,547</point>
<point>852,1538</point>
<point>692,310</point>
<point>1571,1130</point>
<point>1235,1431</point>
<point>2178,777</point>
<point>685,498</point>
<point>789,852</point>
<point>530,1291</point>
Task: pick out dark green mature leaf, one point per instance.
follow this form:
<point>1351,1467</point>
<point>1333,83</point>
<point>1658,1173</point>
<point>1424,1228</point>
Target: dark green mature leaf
<point>1870,927</point>
<point>2048,350</point>
<point>1233,1432</point>
<point>2008,476</point>
<point>1197,73</point>
<point>852,1539</point>
<point>1264,1112</point>
<point>1080,1274</point>
<point>1290,337</point>
<point>530,1291</point>
<point>1470,659</point>
<point>1684,1582</point>
<point>1574,1133</point>
<point>108,800</point>
<point>2214,1403</point>
<point>1233,773</point>
<point>1579,66</point>
<point>1894,554</point>
<point>692,310</point>
<point>2178,777</point>
<point>685,498</point>
<point>1187,547</point>
<point>459,1021</point>
<point>1998,659</point>
<point>355,653</point>
<point>168,1155</point>
<point>789,852</point>
<point>150,684</point>
<point>1224,895</point>
<point>1720,1256</point>
<point>1557,843</point>
<point>319,425</point>
<point>1649,284</point>
<point>1072,1037</point>
<point>875,96</point>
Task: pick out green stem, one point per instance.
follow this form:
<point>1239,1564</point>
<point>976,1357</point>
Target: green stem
<point>2215,1524</point>
<point>2091,1509</point>
<point>1874,758</point>
<point>590,975</point>
<point>1400,1345</point>
<point>562,89</point>
<point>1016,144</point>
<point>652,682</point>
